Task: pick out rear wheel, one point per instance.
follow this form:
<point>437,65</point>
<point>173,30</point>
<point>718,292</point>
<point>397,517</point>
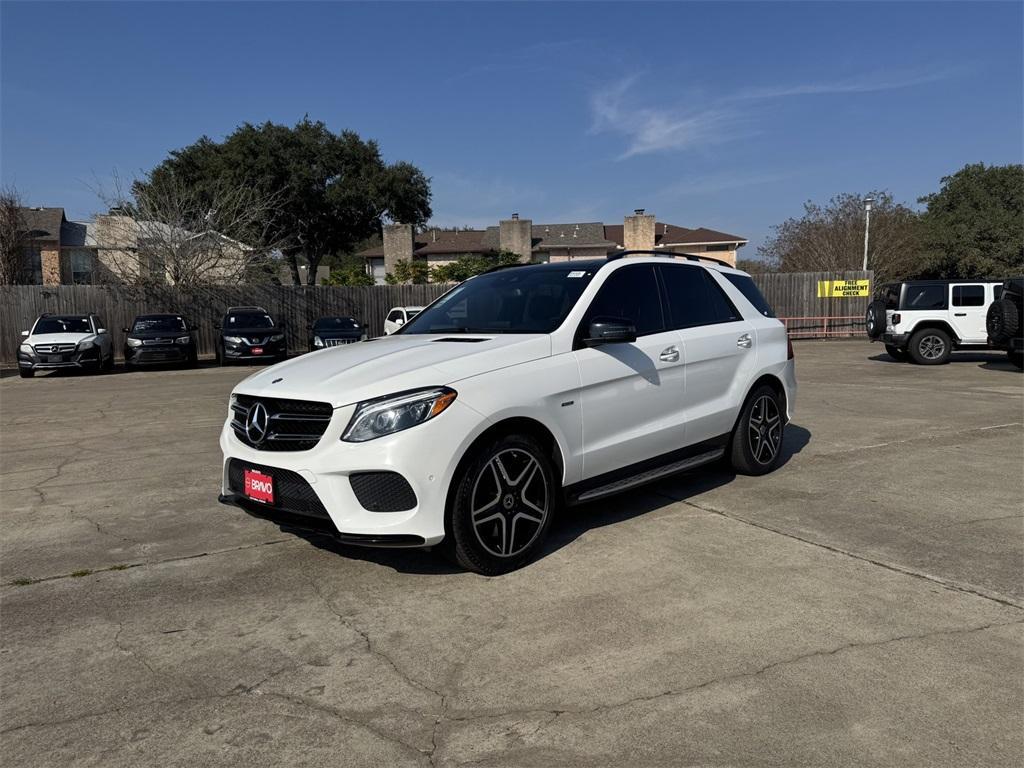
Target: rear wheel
<point>896,353</point>
<point>930,346</point>
<point>504,501</point>
<point>757,438</point>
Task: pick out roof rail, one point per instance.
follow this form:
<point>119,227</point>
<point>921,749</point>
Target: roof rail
<point>669,255</point>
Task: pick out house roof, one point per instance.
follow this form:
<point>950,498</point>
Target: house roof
<point>545,237</point>
<point>78,234</point>
<point>670,234</point>
<point>43,223</point>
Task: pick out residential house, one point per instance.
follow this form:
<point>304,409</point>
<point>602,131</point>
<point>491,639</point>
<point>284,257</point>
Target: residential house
<point>547,242</point>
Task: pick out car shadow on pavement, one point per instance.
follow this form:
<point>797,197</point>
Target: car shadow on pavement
<point>575,521</point>
<point>987,359</point>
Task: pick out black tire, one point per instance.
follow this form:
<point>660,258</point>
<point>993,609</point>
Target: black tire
<point>896,353</point>
<point>221,361</point>
<point>930,346</point>
<point>509,528</point>
<point>26,373</point>
<point>756,444</point>
<point>874,320</point>
<point>108,366</point>
<point>1016,357</point>
<point>1002,321</point>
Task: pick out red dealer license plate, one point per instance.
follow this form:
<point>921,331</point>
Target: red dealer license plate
<point>257,350</point>
<point>259,487</point>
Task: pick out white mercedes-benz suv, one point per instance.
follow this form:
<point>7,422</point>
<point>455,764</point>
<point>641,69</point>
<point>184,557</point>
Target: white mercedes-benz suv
<point>518,391</point>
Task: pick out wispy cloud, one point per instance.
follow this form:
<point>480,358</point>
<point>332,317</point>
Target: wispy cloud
<point>617,109</point>
<point>708,184</point>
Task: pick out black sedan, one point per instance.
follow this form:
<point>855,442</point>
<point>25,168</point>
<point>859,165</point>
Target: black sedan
<point>250,334</point>
<point>335,331</point>
<point>160,340</point>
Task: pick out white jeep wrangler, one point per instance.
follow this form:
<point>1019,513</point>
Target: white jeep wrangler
<point>925,320</point>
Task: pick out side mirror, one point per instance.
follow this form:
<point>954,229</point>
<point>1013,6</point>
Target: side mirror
<point>101,330</point>
<point>216,327</point>
<point>25,334</point>
<point>610,330</point>
<point>125,330</point>
<point>399,321</point>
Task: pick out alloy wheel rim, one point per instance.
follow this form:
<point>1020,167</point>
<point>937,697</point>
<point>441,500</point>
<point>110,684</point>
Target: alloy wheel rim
<point>509,503</point>
<point>765,429</point>
<point>932,347</point>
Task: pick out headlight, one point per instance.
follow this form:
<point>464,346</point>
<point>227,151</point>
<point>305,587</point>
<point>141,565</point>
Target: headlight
<point>277,337</point>
<point>27,349</point>
<point>86,343</point>
<point>183,340</point>
<point>317,341</point>
<point>233,339</point>
<point>387,415</point>
<point>133,342</point>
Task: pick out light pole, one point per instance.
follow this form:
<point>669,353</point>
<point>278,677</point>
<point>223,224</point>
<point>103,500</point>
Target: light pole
<point>867,228</point>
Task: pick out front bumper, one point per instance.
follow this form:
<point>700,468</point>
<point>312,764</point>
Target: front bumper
<point>425,455</point>
<point>158,355</point>
<point>87,358</point>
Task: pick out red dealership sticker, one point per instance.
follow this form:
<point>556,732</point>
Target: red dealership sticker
<point>259,487</point>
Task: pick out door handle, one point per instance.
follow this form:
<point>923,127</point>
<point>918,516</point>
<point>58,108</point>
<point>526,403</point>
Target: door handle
<point>744,341</point>
<point>669,355</point>
<point>960,314</point>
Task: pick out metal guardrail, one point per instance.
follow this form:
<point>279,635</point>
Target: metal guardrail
<point>824,327</point>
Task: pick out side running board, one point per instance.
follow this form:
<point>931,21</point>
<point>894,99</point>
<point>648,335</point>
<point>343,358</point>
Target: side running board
<point>650,475</point>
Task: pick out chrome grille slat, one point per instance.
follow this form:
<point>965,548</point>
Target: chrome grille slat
<point>292,425</point>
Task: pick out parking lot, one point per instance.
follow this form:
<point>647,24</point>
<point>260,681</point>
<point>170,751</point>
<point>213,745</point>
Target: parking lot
<point>861,606</point>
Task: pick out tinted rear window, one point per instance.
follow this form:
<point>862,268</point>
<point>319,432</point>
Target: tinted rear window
<point>746,286</point>
<point>925,296</point>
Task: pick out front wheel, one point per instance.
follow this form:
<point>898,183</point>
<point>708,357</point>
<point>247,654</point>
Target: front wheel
<point>896,353</point>
<point>504,501</point>
<point>930,346</point>
<point>757,437</point>
<point>1016,358</point>
<point>26,373</point>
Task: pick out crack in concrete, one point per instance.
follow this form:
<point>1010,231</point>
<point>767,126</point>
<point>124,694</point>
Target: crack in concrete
<point>949,584</point>
<point>149,563</point>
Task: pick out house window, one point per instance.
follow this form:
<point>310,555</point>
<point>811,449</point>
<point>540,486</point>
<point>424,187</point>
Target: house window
<point>81,267</point>
<point>32,269</point>
<point>376,269</point>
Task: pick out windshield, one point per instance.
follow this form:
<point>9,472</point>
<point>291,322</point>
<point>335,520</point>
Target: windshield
<point>249,320</point>
<point>516,300</point>
<point>335,324</point>
<point>62,325</point>
<point>159,324</point>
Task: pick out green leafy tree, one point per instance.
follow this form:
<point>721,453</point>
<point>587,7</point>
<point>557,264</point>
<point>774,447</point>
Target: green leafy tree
<point>333,189</point>
<point>466,266</point>
<point>349,270</point>
<point>415,271</point>
<point>973,226</point>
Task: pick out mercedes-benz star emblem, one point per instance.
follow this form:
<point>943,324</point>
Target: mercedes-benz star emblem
<point>256,423</point>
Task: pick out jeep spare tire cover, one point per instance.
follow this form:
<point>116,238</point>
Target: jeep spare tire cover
<point>874,321</point>
<point>1002,322</point>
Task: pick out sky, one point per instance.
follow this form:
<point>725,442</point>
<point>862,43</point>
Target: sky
<point>721,115</point>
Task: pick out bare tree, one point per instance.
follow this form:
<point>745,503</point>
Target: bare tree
<point>13,238</point>
<point>830,238</point>
<point>174,233</point>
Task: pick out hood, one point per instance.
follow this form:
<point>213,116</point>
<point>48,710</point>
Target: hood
<point>356,372</point>
<point>158,334</point>
<point>57,338</point>
<point>250,331</point>
<point>338,333</point>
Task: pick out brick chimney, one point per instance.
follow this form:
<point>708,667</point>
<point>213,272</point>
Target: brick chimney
<point>516,235</point>
<point>398,245</point>
<point>638,231</point>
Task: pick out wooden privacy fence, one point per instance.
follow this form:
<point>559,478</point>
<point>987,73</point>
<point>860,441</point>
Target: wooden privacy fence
<point>794,296</point>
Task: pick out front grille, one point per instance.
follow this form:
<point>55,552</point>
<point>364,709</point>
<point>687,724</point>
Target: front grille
<point>54,349</point>
<point>339,342</point>
<point>292,494</point>
<point>383,491</point>
<point>256,341</point>
<point>293,425</point>
<point>152,342</point>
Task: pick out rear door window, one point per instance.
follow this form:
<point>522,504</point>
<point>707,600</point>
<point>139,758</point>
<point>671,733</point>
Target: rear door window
<point>694,298</point>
